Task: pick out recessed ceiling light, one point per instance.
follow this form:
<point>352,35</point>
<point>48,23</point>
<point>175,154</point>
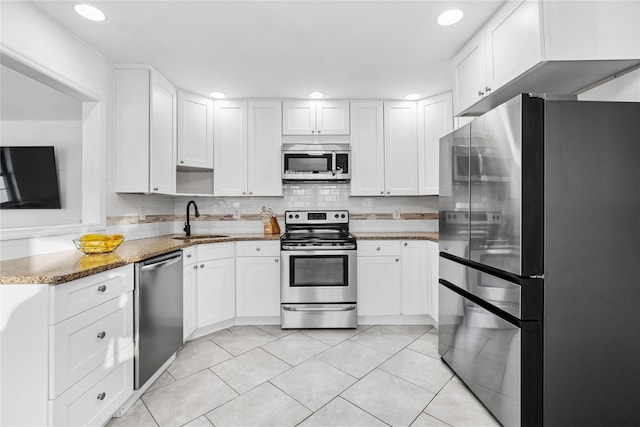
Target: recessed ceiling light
<point>217,95</point>
<point>89,12</point>
<point>316,95</point>
<point>450,17</point>
<point>413,96</point>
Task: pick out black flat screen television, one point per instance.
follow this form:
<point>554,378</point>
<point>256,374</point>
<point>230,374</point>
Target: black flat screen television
<point>28,178</point>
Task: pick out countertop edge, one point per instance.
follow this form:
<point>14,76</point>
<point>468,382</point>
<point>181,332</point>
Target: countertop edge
<point>138,250</point>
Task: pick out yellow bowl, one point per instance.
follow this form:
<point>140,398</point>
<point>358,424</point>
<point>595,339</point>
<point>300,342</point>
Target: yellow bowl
<point>99,246</point>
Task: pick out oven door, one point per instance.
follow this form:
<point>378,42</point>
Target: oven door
<point>318,276</point>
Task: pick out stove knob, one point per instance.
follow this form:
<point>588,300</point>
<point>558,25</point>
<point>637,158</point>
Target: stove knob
<point>342,216</point>
<point>290,216</point>
<point>297,216</point>
<point>337,215</point>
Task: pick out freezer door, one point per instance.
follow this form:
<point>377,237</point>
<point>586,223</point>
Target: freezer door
<point>506,185</point>
<point>484,351</point>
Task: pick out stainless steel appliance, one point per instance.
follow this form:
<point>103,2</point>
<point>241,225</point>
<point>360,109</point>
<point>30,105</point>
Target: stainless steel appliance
<point>158,317</point>
<point>539,261</point>
<point>316,162</point>
<point>318,280</point>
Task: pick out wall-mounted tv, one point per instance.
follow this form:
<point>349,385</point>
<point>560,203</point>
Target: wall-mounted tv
<point>28,178</point>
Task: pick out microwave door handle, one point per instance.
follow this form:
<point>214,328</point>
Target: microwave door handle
<point>333,163</point>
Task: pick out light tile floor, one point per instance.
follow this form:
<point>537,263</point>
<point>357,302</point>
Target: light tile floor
<point>265,376</point>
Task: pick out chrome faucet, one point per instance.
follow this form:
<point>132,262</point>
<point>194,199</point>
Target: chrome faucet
<point>187,226</point>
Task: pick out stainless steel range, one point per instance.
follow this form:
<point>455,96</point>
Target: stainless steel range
<point>318,280</point>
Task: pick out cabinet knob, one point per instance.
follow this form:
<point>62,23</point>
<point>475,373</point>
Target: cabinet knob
<point>258,248</point>
<point>201,265</point>
<point>388,192</point>
<point>181,161</point>
<point>250,192</point>
<point>102,334</point>
<point>487,89</point>
<point>102,395</point>
<point>102,288</point>
<point>188,255</point>
<point>378,248</point>
<point>382,192</point>
<point>319,131</point>
<point>276,260</point>
<point>405,243</point>
<point>397,259</point>
<point>195,267</point>
<point>313,131</point>
<point>480,93</point>
<point>244,193</point>
<point>155,188</point>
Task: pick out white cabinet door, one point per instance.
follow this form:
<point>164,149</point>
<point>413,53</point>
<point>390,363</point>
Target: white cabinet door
<point>257,286</point>
<point>195,131</point>
<point>379,291</point>
<point>513,42</point>
<point>415,277</point>
<point>163,136</point>
<point>433,263</point>
<point>264,149</point>
<point>401,148</point>
<point>469,74</point>
<point>332,117</point>
<point>189,300</point>
<point>230,149</point>
<point>216,291</point>
<point>367,148</point>
<point>298,118</point>
<point>435,119</point>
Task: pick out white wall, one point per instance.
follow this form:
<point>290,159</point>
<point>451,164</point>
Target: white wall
<point>625,88</point>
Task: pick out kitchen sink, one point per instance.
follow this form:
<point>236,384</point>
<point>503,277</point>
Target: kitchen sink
<point>199,236</point>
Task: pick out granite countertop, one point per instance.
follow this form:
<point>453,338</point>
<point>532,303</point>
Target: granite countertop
<point>64,266</point>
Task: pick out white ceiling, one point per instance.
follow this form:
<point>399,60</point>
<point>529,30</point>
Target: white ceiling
<point>285,49</point>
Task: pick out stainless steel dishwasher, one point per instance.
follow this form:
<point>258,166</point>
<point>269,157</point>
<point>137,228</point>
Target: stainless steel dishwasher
<point>157,301</point>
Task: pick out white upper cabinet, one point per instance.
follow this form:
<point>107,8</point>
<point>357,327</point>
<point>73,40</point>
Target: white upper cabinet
<point>384,148</point>
<point>400,149</point>
<point>145,131</point>
<point>435,119</point>
<point>315,118</point>
<point>540,46</point>
<point>195,131</point>
<point>247,149</point>
<point>264,173</point>
<point>367,148</point>
<point>230,149</point>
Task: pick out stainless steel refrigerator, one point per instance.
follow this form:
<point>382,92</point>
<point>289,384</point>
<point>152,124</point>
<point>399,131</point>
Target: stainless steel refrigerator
<point>539,296</point>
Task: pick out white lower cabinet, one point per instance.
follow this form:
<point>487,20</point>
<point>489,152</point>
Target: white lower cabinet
<point>394,279</point>
<point>66,351</point>
<point>216,299</point>
<point>433,250</point>
<point>189,292</point>
<point>258,279</point>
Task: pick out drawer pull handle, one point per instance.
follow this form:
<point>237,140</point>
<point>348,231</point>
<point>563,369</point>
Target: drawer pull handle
<point>102,395</point>
<point>102,288</point>
<point>102,334</point>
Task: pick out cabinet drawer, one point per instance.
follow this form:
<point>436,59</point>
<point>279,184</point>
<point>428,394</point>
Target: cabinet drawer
<point>93,400</point>
<point>189,255</point>
<point>379,248</point>
<point>258,248</point>
<point>82,343</point>
<point>77,296</point>
<point>216,251</point>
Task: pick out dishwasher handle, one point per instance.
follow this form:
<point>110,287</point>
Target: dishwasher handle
<point>162,263</point>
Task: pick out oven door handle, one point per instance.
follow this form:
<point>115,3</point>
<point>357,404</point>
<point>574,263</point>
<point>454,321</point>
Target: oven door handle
<point>347,308</point>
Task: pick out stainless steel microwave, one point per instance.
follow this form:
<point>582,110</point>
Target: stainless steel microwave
<point>316,162</point>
